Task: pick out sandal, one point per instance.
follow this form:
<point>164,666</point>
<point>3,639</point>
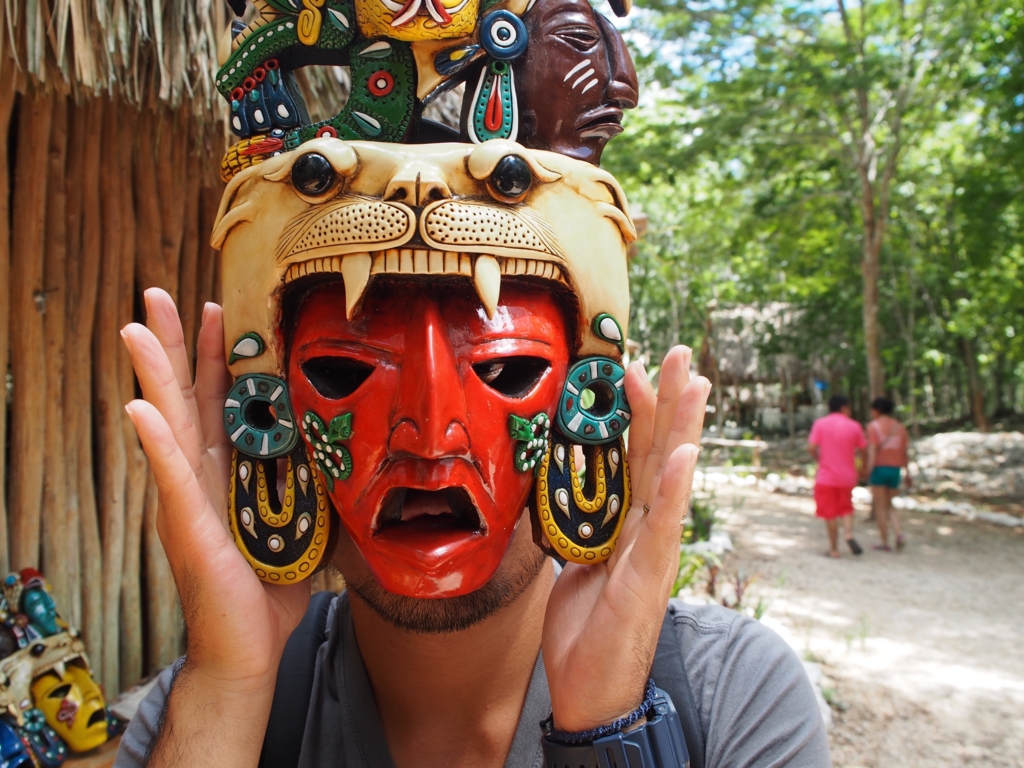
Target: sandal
<point>900,542</point>
<point>834,554</point>
<point>882,547</point>
<point>854,547</point>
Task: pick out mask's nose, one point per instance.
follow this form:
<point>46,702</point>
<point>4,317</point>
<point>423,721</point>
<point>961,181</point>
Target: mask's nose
<point>430,415</point>
<point>623,88</point>
<point>417,184</point>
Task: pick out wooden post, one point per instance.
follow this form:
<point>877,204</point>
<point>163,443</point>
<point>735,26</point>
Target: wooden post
<point>150,269</point>
<point>6,103</point>
<point>81,382</point>
<point>170,173</point>
<point>137,468</point>
<point>28,405</point>
<point>189,265</point>
<point>57,540</point>
<point>74,367</point>
<point>109,430</point>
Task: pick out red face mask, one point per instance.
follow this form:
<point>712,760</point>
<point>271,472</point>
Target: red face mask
<point>432,493</point>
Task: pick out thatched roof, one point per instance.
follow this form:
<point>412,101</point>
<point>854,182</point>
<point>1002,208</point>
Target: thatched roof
<point>145,51</point>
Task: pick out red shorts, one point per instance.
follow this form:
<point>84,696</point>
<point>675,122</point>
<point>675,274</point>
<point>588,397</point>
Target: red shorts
<point>833,501</point>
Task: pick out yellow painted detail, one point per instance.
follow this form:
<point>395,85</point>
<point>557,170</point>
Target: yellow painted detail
<point>263,501</point>
<point>310,21</point>
<point>600,485</point>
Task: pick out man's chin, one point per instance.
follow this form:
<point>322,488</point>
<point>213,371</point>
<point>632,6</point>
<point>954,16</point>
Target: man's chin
<point>517,570</point>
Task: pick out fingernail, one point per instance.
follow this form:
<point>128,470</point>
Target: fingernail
<point>126,338</point>
<point>130,411</point>
<point>691,461</point>
<point>208,307</point>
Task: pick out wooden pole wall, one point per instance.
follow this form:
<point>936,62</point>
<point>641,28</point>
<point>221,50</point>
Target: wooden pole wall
<point>6,105</point>
<point>27,361</point>
<point>107,200</point>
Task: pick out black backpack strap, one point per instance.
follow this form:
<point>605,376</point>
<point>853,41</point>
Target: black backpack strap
<point>283,740</point>
<point>670,675</point>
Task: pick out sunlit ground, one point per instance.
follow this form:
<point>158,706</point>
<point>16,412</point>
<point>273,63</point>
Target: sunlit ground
<point>923,650</point>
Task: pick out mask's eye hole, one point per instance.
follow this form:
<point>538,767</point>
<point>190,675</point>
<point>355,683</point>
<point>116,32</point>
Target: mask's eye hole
<point>313,174</point>
<point>511,177</point>
<point>60,691</point>
<point>512,376</point>
<point>336,377</point>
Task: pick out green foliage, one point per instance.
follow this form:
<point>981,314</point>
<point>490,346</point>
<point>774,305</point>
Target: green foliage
<point>691,566</point>
<point>700,520</point>
<point>746,156</point>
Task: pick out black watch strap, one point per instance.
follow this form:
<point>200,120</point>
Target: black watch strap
<point>657,743</point>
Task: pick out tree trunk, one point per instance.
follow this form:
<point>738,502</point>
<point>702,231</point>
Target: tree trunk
<point>975,390</point>
<point>870,269</point>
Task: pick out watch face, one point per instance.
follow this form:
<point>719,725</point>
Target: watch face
<point>428,383</point>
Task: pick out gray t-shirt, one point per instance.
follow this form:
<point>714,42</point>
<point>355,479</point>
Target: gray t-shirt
<point>754,701</point>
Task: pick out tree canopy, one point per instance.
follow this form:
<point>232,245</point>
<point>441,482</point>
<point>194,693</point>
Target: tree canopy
<point>859,166</point>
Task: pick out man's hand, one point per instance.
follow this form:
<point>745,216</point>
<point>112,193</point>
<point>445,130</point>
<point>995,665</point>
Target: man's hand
<point>237,626</point>
<point>603,621</point>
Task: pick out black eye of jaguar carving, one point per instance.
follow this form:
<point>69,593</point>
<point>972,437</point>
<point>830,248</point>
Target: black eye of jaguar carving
<point>312,174</point>
<point>511,176</point>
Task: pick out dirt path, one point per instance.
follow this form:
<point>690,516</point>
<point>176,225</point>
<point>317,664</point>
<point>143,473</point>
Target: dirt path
<point>923,650</point>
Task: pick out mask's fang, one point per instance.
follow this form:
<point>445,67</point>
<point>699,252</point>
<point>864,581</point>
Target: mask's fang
<point>487,279</point>
<point>355,269</point>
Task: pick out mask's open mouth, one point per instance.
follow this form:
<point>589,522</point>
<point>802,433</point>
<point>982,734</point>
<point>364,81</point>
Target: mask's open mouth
<point>99,716</point>
<point>605,122</point>
<point>412,511</point>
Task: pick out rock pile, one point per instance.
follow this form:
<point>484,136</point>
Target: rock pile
<point>986,466</point>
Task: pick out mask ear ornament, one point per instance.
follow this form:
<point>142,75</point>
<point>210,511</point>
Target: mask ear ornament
<point>581,518</point>
<point>283,541</point>
<point>258,418</point>
<point>495,112</point>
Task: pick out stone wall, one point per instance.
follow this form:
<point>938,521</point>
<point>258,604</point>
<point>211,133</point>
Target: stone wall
<point>988,466</point>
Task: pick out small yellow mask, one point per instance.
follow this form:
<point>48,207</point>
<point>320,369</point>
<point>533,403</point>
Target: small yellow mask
<point>73,706</point>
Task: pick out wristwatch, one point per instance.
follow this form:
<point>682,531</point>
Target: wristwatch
<point>657,743</point>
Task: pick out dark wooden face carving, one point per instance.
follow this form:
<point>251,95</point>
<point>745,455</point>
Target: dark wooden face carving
<point>574,81</point>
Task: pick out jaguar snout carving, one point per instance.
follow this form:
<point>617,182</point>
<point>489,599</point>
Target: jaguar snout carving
<point>362,210</point>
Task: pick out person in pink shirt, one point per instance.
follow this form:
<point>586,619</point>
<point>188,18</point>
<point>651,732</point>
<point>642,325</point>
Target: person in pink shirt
<point>836,442</point>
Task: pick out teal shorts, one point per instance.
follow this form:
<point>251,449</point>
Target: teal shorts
<point>887,476</point>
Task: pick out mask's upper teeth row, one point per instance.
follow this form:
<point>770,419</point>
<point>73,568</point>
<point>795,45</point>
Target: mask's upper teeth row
<point>485,270</point>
